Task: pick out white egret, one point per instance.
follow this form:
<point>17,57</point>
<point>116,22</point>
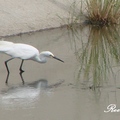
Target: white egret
<point>24,52</point>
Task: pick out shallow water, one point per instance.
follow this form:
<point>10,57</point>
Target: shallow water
<point>52,91</point>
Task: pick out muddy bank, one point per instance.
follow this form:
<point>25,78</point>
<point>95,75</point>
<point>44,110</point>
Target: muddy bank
<point>24,16</point>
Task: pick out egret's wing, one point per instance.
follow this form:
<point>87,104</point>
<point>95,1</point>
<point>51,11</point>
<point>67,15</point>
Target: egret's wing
<point>23,51</point>
<point>18,50</point>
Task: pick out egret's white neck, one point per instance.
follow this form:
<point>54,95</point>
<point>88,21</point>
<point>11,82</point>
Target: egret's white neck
<point>41,58</point>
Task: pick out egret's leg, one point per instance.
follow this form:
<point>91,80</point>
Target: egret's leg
<point>21,71</point>
<point>7,69</point>
<point>7,78</point>
<point>7,65</point>
<point>22,77</point>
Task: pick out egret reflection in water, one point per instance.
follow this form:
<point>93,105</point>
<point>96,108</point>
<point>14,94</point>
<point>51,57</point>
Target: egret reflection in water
<point>26,95</point>
<point>98,52</point>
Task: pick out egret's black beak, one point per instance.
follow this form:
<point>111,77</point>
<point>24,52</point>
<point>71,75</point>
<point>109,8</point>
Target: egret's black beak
<point>58,59</point>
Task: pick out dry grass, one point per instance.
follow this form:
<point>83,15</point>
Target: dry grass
<point>101,52</point>
<point>103,12</point>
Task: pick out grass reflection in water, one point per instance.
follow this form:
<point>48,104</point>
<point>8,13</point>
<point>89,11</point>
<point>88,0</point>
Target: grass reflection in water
<point>99,54</point>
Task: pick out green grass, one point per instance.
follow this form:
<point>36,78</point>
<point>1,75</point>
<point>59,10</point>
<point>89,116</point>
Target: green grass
<point>98,55</point>
<point>101,52</point>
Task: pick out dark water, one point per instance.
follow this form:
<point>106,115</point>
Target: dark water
<point>55,90</point>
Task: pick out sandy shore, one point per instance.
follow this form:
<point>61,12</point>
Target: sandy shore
<point>20,16</point>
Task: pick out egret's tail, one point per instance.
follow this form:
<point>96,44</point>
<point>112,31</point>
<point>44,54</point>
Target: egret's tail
<point>6,43</point>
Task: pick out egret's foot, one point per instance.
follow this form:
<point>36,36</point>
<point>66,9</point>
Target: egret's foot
<point>21,71</point>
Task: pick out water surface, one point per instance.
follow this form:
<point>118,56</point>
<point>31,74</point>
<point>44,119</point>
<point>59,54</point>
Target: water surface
<point>53,91</point>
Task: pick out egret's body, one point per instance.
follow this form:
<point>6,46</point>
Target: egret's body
<point>24,52</point>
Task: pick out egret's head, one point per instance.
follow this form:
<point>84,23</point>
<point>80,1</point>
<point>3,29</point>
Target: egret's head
<point>50,55</point>
<point>47,54</point>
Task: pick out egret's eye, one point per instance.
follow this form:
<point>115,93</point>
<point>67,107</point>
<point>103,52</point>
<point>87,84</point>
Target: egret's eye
<point>50,55</point>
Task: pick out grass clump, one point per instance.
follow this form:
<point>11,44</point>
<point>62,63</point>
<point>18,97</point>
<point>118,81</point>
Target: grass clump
<point>100,54</point>
<point>97,53</point>
<point>103,12</point>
